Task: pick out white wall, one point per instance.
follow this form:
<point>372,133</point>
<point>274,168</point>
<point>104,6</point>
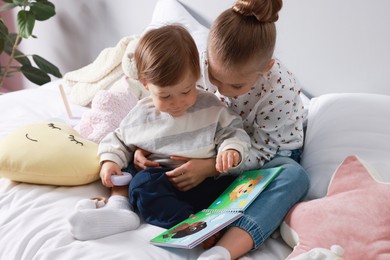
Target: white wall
<point>331,45</point>
<point>82,28</point>
<point>337,45</point>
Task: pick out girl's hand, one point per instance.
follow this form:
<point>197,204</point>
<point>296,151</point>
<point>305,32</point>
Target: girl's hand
<point>227,159</point>
<point>108,169</point>
<point>140,161</point>
<point>191,173</point>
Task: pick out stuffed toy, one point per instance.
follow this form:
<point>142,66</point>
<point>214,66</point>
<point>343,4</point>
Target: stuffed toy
<point>108,108</point>
<point>355,214</point>
<point>49,153</point>
<point>112,65</point>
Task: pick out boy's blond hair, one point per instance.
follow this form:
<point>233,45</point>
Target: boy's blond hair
<point>164,55</point>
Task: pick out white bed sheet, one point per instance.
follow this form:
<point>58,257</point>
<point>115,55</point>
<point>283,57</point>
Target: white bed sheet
<point>33,218</point>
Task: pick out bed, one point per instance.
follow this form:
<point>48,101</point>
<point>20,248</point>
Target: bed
<point>347,114</point>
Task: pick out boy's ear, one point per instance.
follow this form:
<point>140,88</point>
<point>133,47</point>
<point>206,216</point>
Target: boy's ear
<point>145,85</point>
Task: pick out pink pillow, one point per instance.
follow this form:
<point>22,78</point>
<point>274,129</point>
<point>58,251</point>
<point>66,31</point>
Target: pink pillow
<point>354,214</point>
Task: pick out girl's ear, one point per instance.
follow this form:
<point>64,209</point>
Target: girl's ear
<point>270,64</point>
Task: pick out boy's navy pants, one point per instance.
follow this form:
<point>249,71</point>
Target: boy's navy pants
<point>161,204</point>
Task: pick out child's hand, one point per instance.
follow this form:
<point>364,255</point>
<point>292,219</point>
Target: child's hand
<point>109,168</point>
<point>191,173</point>
<point>140,161</point>
<point>227,159</point>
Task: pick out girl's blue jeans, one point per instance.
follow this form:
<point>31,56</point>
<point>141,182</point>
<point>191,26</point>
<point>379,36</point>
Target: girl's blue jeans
<point>267,211</point>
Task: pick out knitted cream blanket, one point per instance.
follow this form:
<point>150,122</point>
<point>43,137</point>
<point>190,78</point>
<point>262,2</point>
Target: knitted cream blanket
<point>105,72</point>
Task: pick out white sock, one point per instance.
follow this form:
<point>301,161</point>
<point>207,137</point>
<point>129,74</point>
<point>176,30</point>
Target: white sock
<point>93,203</point>
<point>118,202</point>
<point>215,253</point>
<point>89,221</point>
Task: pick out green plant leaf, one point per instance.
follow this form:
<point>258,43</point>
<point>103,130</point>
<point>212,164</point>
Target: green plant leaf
<point>11,38</point>
<point>18,55</point>
<point>35,75</point>
<point>46,66</point>
<point>31,11</point>
<point>43,10</point>
<point>7,6</point>
<point>20,2</point>
<point>22,59</point>
<point>3,29</point>
<point>2,45</point>
<point>25,22</point>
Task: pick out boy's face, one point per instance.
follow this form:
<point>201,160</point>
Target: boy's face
<point>175,99</point>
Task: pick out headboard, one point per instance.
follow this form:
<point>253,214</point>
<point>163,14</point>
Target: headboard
<point>331,45</point>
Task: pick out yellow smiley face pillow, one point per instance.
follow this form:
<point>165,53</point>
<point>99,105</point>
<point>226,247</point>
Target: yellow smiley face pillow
<point>49,153</point>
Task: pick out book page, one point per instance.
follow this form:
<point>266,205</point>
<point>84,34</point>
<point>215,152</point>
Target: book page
<point>244,189</point>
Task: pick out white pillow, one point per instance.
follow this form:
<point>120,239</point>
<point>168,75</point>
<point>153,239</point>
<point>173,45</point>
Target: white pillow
<point>172,12</point>
<point>345,124</point>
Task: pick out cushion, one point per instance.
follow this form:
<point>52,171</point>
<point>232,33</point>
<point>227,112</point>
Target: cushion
<point>355,214</point>
<point>172,12</point>
<point>343,124</point>
<point>108,108</point>
<point>48,153</point>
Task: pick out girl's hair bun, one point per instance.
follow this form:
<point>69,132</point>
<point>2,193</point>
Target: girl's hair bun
<point>265,11</point>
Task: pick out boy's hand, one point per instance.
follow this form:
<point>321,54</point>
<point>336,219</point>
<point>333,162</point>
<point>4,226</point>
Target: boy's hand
<point>227,159</point>
<point>108,169</point>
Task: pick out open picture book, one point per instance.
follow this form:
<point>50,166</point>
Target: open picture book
<point>228,207</point>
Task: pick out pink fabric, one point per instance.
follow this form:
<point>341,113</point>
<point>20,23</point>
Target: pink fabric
<point>108,108</point>
<point>354,214</point>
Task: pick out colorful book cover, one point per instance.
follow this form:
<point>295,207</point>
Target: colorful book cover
<point>240,194</point>
<point>228,207</point>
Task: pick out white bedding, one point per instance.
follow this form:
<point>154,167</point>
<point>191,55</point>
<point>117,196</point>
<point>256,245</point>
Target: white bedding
<point>34,226</point>
<point>33,218</point>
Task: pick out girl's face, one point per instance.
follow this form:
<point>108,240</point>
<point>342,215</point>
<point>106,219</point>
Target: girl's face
<point>175,99</point>
<point>235,81</point>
